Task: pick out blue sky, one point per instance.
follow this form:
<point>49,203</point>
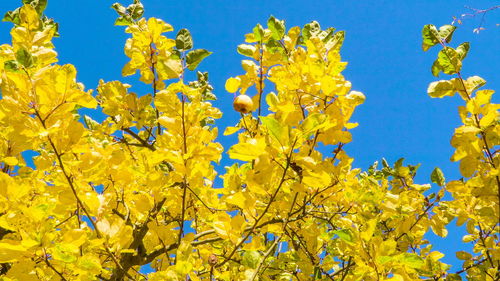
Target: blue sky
<point>382,47</point>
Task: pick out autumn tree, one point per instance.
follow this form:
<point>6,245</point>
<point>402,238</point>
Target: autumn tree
<point>104,199</point>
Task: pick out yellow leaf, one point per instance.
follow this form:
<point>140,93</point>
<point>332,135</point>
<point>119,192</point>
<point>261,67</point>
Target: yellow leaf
<point>442,88</point>
<point>76,237</point>
<point>369,229</point>
<point>351,125</point>
<point>463,255</point>
<point>128,251</point>
<point>238,224</point>
<point>316,178</point>
<point>489,118</point>
<point>231,130</point>
<point>90,263</point>
<point>169,68</point>
<point>272,101</point>
<point>194,277</point>
<point>183,267</point>
<point>157,26</point>
<point>29,17</point>
<point>435,255</point>
<point>247,151</point>
<point>168,275</point>
<point>483,96</point>
<point>356,97</point>
<point>438,226</point>
<point>468,166</point>
<point>232,84</point>
<point>11,251</point>
<point>222,225</point>
<point>237,199</point>
<point>10,161</point>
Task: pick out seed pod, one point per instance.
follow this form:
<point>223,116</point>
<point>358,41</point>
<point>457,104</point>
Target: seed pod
<point>243,104</point>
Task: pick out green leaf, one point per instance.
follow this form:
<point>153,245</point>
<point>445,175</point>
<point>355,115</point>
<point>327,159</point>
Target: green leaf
<point>462,255</point>
<point>462,50</point>
<point>135,10</point>
<point>449,60</point>
<point>207,121</point>
<point>63,253</point>
<point>399,163</point>
<point>336,41</point>
<point>122,11</point>
<point>413,169</point>
<point>125,20</point>
<point>176,55</point>
<point>272,100</point>
<point>437,177</point>
<point>50,23</point>
<point>436,68</point>
<point>310,29</point>
<point>12,16</point>
<point>312,123</point>
<point>372,168</point>
<point>384,163</point>
<point>90,123</point>
<point>317,273</point>
<point>274,46</point>
<point>327,34</point>
<point>251,259</point>
<point>412,260</point>
<point>194,57</point>
<point>246,50</point>
<point>258,32</point>
<point>24,57</point>
<point>274,127</point>
<point>446,32</point>
<point>277,28</point>
<point>209,95</point>
<point>384,259</point>
<point>475,82</point>
<point>183,41</point>
<point>11,65</point>
<point>430,36</point>
<point>453,277</point>
<point>344,234</point>
<point>39,5</point>
<point>441,88</point>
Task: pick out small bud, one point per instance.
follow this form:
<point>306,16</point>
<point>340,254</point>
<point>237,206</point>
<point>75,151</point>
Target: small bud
<point>212,260</point>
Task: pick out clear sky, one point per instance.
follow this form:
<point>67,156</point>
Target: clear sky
<point>382,47</point>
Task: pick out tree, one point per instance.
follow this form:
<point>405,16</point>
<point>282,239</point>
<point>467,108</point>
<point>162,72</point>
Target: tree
<point>105,198</point>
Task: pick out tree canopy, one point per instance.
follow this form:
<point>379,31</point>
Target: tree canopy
<point>104,199</point>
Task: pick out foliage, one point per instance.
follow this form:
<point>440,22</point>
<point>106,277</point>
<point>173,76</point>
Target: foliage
<point>477,194</point>
<point>105,198</point>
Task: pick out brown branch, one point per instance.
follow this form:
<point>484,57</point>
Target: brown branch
<point>261,79</point>
<point>153,69</point>
<point>264,212</point>
<point>270,250</point>
<point>141,140</point>
<point>129,260</point>
<point>211,209</point>
<point>53,268</point>
<point>183,211</point>
<point>425,212</point>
